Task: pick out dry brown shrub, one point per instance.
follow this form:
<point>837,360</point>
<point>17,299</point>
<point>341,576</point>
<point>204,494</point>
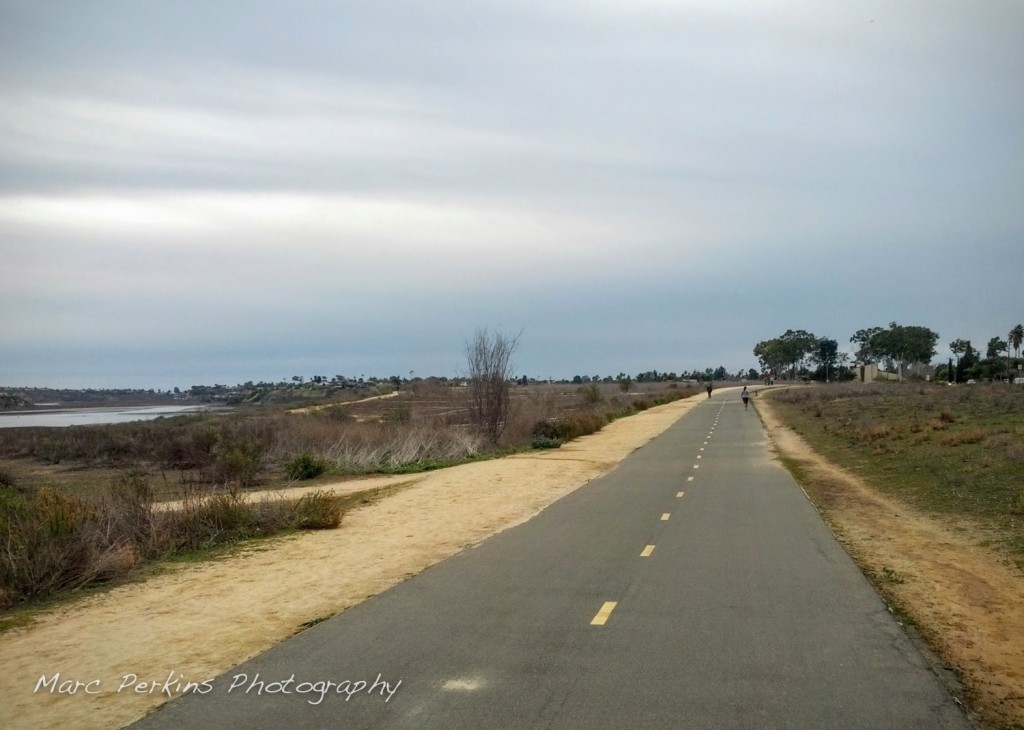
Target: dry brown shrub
<point>52,542</point>
<point>970,436</point>
<point>873,432</point>
<point>116,561</point>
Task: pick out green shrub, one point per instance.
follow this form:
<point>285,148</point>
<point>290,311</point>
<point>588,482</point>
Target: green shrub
<point>335,414</point>
<point>46,545</point>
<point>60,515</point>
<point>305,466</point>
<point>568,428</point>
<point>239,463</point>
<point>546,429</point>
<point>10,499</point>
<point>583,424</point>
<point>7,479</point>
<point>52,542</point>
<point>545,442</point>
<point>317,510</point>
<point>227,512</point>
<point>591,394</point>
<point>401,413</point>
<point>208,520</point>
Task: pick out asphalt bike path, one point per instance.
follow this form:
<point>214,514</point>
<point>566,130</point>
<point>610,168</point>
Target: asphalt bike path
<point>694,586</point>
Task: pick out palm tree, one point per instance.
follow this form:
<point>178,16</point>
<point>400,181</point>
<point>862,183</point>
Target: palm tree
<point>1016,338</point>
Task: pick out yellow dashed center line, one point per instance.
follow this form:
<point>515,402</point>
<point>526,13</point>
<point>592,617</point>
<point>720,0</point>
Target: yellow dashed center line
<point>689,479</point>
<point>602,616</point>
<point>680,494</point>
<point>665,516</point>
<point>647,551</point>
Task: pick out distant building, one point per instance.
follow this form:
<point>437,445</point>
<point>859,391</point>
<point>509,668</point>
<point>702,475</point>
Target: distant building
<point>869,372</point>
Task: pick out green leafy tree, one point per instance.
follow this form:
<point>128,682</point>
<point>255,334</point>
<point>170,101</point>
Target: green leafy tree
<point>770,355</point>
<point>959,347</point>
<point>995,347</point>
<point>867,349</point>
<point>905,344</point>
<point>826,355</point>
<point>965,365</point>
<point>797,345</point>
<point>788,350</point>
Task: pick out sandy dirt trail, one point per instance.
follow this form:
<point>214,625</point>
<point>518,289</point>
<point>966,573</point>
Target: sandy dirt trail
<point>198,620</point>
<point>314,409</point>
<point>966,600</point>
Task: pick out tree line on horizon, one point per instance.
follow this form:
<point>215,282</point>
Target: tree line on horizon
<point>799,353</point>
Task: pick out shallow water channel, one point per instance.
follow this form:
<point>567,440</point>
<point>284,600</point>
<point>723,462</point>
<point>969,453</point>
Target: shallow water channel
<point>58,417</point>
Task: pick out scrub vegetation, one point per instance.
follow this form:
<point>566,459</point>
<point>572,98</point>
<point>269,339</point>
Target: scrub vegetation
<point>52,541</point>
<point>423,427</point>
<point>80,505</point>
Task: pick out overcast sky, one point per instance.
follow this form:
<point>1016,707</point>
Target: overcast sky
<point>201,192</point>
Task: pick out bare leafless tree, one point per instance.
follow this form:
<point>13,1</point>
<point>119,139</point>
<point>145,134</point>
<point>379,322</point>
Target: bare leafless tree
<point>489,362</point>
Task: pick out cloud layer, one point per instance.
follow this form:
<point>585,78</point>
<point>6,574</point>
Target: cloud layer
<point>218,192</point>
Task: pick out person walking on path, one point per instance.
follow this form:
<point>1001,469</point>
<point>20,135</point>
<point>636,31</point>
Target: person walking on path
<point>709,389</point>
<point>745,395</point>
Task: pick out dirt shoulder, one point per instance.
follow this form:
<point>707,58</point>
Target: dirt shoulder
<point>965,600</point>
<point>198,620</point>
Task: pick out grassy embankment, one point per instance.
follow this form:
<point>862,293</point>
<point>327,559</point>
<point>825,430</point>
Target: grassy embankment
<point>952,452</point>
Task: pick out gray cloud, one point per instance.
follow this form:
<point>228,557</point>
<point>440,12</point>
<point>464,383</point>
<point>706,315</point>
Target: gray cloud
<point>234,191</point>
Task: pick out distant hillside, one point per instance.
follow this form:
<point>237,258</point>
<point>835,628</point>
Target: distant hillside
<point>22,399</point>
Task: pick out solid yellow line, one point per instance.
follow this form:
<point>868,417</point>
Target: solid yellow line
<point>664,517</point>
<point>647,551</point>
<point>602,616</point>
